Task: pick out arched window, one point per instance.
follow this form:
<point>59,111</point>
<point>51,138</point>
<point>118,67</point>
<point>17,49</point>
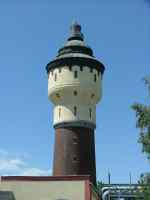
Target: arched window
<point>90,113</point>
<point>92,96</point>
<point>75,110</point>
<point>70,68</point>
<point>75,74</point>
<point>95,77</point>
<point>81,68</point>
<point>75,140</point>
<point>59,113</point>
<point>55,77</point>
<point>57,95</point>
<point>75,93</point>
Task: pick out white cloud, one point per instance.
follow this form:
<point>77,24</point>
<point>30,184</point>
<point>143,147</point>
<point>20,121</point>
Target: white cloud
<point>10,165</point>
<point>35,172</point>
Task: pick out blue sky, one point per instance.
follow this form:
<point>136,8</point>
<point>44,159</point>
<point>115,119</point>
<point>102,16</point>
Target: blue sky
<point>30,34</point>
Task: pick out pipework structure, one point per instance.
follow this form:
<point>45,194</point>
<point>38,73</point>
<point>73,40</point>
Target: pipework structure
<point>75,88</point>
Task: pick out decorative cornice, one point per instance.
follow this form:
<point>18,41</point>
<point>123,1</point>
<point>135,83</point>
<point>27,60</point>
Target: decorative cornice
<point>80,123</point>
<point>81,61</point>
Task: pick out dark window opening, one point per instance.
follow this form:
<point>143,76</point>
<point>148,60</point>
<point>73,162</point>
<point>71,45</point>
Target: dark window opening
<point>75,74</point>
<point>75,159</point>
<point>75,140</point>
<point>95,78</point>
<point>59,70</point>
<point>70,68</point>
<point>55,78</point>
<point>90,111</point>
<point>75,93</point>
<point>81,68</point>
<point>59,112</point>
<point>57,95</point>
<point>75,110</point>
<point>92,96</point>
<point>91,69</point>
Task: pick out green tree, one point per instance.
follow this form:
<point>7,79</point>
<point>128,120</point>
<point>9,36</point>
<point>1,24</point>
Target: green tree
<point>100,185</point>
<point>143,123</point>
<point>145,185</point>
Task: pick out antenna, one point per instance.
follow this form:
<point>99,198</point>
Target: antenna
<point>130,178</point>
<point>109,177</point>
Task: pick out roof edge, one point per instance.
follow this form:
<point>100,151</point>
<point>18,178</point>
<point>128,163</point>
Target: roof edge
<point>45,178</point>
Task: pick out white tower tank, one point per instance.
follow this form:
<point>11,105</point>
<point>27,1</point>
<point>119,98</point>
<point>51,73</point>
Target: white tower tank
<point>75,82</point>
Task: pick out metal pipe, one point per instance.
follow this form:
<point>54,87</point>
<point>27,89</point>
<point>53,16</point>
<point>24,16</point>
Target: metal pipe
<point>108,190</point>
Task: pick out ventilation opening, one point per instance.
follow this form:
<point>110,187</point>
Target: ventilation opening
<point>70,68</point>
<point>75,74</point>
<point>75,140</point>
<point>75,159</point>
<point>90,113</point>
<point>59,113</point>
<point>75,93</point>
<point>92,96</point>
<point>55,77</point>
<point>75,110</point>
<point>57,95</point>
<point>95,78</point>
<point>81,68</point>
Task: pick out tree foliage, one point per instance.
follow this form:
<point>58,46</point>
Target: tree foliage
<point>145,183</point>
<point>143,122</point>
<point>100,185</point>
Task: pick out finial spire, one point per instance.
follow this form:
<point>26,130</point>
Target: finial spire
<point>76,31</point>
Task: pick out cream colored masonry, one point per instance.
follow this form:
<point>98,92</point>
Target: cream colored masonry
<point>74,98</point>
<point>45,190</point>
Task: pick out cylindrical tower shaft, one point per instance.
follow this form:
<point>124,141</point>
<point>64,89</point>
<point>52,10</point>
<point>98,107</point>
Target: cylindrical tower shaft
<point>75,152</point>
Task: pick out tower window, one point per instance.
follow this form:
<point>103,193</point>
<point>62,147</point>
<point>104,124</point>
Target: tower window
<point>70,68</point>
<point>75,110</point>
<point>81,68</point>
<point>59,70</point>
<point>75,140</point>
<point>95,78</point>
<point>75,158</point>
<point>55,78</point>
<point>57,95</point>
<point>75,74</point>
<point>92,96</point>
<point>59,114</point>
<point>75,93</point>
<point>90,112</point>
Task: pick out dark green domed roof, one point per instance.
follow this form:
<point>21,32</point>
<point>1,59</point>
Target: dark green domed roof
<point>75,52</point>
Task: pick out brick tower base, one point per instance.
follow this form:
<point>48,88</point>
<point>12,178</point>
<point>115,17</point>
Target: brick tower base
<point>75,152</point>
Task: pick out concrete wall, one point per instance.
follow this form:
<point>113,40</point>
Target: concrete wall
<point>45,190</point>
